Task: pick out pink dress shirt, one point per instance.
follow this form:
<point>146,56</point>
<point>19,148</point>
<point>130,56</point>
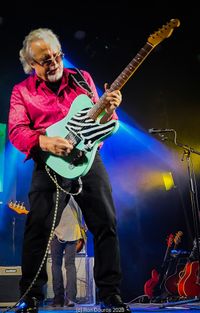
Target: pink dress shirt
<point>34,107</point>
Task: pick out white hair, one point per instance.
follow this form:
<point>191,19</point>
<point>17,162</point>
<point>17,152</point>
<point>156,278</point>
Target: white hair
<point>26,55</point>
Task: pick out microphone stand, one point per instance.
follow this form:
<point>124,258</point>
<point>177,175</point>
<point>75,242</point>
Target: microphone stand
<point>187,151</point>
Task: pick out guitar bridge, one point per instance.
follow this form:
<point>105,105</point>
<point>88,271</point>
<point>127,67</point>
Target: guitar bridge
<point>72,136</point>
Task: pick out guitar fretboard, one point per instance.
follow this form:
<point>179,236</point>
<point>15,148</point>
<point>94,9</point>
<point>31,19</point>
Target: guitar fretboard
<point>121,79</point>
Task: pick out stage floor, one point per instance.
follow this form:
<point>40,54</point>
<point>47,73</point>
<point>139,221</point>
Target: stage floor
<point>190,305</point>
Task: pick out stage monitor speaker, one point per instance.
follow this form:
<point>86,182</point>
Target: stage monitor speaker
<point>9,285</point>
<point>86,291</point>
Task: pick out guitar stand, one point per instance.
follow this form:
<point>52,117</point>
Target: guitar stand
<point>194,205</point>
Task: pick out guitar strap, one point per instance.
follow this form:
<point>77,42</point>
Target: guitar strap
<point>80,80</point>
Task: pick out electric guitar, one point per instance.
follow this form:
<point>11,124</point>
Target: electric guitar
<point>153,286</point>
<point>18,207</point>
<point>171,282</point>
<point>82,123</point>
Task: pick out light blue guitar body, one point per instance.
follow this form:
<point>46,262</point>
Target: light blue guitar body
<point>86,134</point>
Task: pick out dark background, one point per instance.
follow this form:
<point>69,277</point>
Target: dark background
<point>162,93</point>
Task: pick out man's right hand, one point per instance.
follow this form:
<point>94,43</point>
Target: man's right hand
<point>56,145</point>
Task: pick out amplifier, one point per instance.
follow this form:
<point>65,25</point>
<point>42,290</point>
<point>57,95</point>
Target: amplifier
<point>9,285</point>
<point>86,291</point>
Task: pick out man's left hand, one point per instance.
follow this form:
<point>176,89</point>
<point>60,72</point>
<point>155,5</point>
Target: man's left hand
<point>113,99</point>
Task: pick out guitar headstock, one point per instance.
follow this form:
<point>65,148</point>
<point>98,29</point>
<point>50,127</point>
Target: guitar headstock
<point>163,32</point>
<point>18,207</point>
<point>177,238</point>
<point>170,240</point>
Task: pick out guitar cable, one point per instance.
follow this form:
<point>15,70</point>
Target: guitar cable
<point>58,187</point>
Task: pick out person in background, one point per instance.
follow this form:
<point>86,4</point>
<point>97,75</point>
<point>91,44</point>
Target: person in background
<point>66,237</point>
<point>38,102</point>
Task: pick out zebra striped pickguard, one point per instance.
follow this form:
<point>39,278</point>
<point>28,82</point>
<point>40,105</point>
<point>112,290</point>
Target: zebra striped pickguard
<point>86,135</point>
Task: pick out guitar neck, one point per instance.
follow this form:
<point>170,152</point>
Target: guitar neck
<point>131,67</point>
<point>119,82</point>
<point>167,252</point>
<point>122,79</point>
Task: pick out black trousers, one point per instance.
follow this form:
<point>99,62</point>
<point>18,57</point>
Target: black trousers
<point>97,206</point>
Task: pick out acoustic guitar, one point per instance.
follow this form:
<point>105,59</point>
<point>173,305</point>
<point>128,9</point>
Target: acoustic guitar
<point>189,283</point>
<point>82,124</point>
